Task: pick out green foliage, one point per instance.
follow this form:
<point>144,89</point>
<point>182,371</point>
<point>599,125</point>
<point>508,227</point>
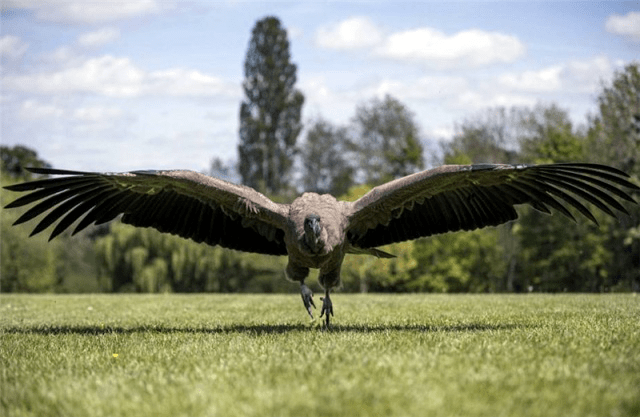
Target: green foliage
<point>26,265</point>
<point>363,273</point>
<point>14,160</point>
<point>33,264</point>
<point>615,131</point>
<point>556,255</point>
<point>465,261</point>
<point>614,138</point>
<point>489,137</point>
<point>325,164</point>
<point>270,114</point>
<point>145,260</point>
<point>548,137</point>
<point>552,254</point>
<point>459,262</point>
<point>256,355</point>
<point>387,141</point>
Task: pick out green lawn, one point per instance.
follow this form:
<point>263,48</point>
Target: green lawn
<point>258,355</point>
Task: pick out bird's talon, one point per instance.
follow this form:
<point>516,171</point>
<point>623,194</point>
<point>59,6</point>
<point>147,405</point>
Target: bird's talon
<point>327,309</point>
<point>307,299</point>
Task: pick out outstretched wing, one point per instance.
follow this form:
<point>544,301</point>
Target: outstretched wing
<point>467,197</point>
<point>184,203</point>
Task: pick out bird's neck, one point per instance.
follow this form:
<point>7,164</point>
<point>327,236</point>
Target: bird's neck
<point>313,242</point>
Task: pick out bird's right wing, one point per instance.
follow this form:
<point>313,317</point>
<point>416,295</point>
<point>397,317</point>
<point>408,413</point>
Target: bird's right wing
<point>184,203</point>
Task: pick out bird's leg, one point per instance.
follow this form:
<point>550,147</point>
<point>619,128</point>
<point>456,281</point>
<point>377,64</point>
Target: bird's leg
<point>329,278</point>
<point>307,298</point>
<point>327,307</point>
<point>299,273</point>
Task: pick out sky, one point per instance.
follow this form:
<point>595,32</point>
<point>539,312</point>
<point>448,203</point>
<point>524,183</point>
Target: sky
<point>149,84</point>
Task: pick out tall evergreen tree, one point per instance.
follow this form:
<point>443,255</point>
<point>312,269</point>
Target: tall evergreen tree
<point>270,114</point>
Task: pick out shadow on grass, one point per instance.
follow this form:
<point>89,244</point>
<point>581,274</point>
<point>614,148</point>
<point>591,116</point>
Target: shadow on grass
<point>258,329</point>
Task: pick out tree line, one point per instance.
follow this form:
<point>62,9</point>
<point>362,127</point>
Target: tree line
<point>381,141</point>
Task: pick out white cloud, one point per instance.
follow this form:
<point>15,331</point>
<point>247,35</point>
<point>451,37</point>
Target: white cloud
<point>427,46</point>
<point>577,76</point>
<point>295,33</point>
<point>99,120</point>
<point>87,12</point>
<point>338,104</point>
<point>35,110</point>
<point>435,87</point>
<point>445,131</point>
<point>353,33</point>
<point>98,37</point>
<point>475,100</point>
<point>545,80</point>
<point>471,48</point>
<point>627,25</point>
<point>74,54</point>
<point>189,83</point>
<point>118,77</point>
<point>12,47</point>
<point>107,75</point>
<point>585,76</point>
<point>96,114</point>
<point>63,55</point>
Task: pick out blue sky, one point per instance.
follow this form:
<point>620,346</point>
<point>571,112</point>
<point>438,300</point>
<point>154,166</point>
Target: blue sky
<point>114,85</point>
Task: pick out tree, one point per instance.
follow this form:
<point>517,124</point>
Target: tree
<point>489,137</point>
<point>26,264</point>
<point>547,136</point>
<point>555,255</point>
<point>325,165</point>
<point>615,131</point>
<point>13,161</point>
<point>270,114</point>
<point>32,264</point>
<point>459,262</point>
<point>145,260</point>
<point>614,139</point>
<point>386,140</point>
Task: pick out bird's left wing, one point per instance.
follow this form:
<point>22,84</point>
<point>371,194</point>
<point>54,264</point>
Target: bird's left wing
<point>466,197</point>
<point>184,203</point>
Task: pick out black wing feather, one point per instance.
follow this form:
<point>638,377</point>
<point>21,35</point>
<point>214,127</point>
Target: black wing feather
<point>177,202</point>
<point>468,197</point>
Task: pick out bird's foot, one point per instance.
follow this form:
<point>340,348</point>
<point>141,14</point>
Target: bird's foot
<point>307,299</point>
<point>327,308</point>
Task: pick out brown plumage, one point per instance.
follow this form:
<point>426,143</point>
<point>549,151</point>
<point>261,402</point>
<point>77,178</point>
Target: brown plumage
<point>317,231</point>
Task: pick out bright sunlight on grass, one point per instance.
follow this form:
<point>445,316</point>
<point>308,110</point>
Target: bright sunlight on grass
<point>257,355</point>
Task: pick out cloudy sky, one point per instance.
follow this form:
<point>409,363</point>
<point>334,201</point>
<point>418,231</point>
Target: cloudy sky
<point>123,85</point>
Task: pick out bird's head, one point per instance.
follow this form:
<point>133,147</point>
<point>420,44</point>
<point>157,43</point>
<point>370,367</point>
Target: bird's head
<point>312,226</point>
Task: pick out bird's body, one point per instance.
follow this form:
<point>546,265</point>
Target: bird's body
<point>317,231</point>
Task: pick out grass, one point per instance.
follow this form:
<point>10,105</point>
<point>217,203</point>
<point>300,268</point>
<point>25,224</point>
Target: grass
<point>257,355</point>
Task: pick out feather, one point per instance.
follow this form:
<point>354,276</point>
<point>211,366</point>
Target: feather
<point>466,197</point>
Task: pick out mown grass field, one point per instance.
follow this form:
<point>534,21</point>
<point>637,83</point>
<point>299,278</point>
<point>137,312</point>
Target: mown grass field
<point>258,355</point>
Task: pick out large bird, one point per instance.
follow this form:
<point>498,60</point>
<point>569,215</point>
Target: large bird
<point>317,231</point>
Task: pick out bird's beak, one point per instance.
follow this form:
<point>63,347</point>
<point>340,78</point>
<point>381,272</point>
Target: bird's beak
<point>316,228</point>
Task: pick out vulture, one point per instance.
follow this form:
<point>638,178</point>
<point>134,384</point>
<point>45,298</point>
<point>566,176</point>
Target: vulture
<point>317,231</point>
